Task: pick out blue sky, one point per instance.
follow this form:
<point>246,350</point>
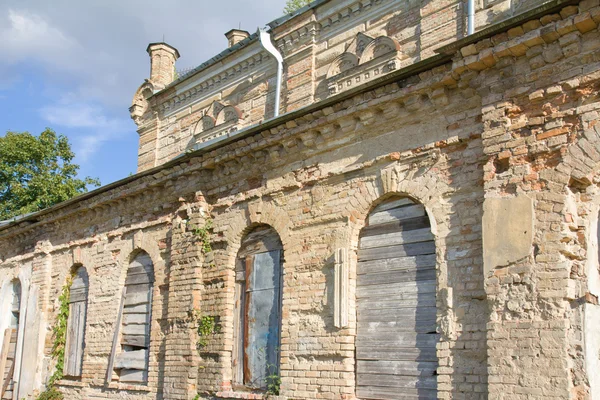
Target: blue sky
<point>74,66</point>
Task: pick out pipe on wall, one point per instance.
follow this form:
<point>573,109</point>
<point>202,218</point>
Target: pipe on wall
<point>471,17</point>
<point>265,40</point>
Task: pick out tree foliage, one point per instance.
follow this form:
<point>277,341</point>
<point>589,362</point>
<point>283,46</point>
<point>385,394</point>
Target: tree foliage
<point>37,172</point>
<point>293,5</point>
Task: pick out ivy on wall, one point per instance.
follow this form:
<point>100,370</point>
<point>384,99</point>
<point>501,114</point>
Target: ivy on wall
<point>203,235</point>
<point>207,325</point>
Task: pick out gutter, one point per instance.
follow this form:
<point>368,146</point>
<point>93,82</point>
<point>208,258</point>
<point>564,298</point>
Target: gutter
<point>265,40</point>
<point>445,54</point>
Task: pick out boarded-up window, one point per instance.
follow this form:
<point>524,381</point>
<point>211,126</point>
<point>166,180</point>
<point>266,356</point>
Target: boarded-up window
<point>396,304</point>
<point>9,345</point>
<point>258,308</point>
<point>76,324</point>
<point>131,363</point>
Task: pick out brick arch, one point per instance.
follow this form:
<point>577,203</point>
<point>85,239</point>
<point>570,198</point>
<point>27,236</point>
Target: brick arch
<point>257,213</point>
<point>425,189</point>
<point>141,242</point>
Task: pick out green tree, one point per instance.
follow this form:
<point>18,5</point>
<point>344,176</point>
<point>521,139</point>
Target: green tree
<point>293,5</point>
<point>37,172</point>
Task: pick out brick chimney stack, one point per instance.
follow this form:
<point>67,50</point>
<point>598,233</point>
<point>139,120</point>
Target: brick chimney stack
<point>162,64</point>
<point>235,36</point>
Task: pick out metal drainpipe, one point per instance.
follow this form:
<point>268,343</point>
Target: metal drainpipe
<point>265,40</point>
<point>471,17</point>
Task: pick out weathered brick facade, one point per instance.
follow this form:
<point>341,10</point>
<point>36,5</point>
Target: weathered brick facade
<point>496,134</point>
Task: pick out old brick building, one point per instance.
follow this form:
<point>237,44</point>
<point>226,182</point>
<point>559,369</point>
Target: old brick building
<point>420,220</point>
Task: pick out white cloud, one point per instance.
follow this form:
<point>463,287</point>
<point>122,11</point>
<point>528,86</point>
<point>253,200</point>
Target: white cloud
<point>30,36</point>
<point>93,125</point>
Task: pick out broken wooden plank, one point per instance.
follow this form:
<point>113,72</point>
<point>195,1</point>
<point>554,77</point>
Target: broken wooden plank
<point>136,279</point>
<point>134,340</point>
<point>137,298</point>
<point>4,352</point>
<point>396,226</point>
<point>400,276</point>
<point>134,329</point>
<point>388,205</point>
<point>412,249</point>
<point>111,359</point>
<point>8,379</point>
<point>133,376</point>
<point>387,353</point>
<point>375,303</point>
<point>396,264</point>
<point>395,214</point>
<point>396,238</point>
<point>405,368</point>
<point>401,288</point>
<point>135,318</point>
<point>142,308</point>
<point>131,359</point>
<point>399,381</point>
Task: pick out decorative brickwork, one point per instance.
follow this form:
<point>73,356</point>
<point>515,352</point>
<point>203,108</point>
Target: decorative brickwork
<point>499,141</point>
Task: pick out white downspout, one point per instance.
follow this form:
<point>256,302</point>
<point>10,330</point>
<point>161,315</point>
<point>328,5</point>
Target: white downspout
<point>471,17</point>
<point>265,40</point>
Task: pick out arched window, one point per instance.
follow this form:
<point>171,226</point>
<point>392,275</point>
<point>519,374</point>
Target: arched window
<point>131,364</point>
<point>257,308</point>
<point>76,324</point>
<point>396,304</point>
<point>9,344</point>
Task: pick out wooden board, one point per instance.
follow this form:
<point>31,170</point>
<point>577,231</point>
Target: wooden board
<point>396,238</point>
<point>134,340</point>
<point>113,351</point>
<point>396,304</point>
<point>133,375</point>
<point>4,352</point>
<point>412,249</point>
<point>75,338</point>
<point>131,359</point>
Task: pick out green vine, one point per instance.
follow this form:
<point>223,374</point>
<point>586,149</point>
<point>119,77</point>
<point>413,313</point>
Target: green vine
<point>59,334</point>
<point>207,326</point>
<point>273,380</point>
<point>203,235</point>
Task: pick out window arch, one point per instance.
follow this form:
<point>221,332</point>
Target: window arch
<point>131,363</point>
<point>76,323</point>
<point>396,303</point>
<point>9,343</point>
<point>258,292</point>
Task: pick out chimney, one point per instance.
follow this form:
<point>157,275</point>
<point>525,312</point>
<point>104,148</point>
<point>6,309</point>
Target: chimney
<point>162,64</point>
<point>235,36</point>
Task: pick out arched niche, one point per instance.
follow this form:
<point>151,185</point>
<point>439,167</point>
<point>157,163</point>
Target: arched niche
<point>396,303</point>
<point>342,63</point>
<point>205,123</point>
<point>379,47</point>
<point>229,114</point>
<point>258,298</point>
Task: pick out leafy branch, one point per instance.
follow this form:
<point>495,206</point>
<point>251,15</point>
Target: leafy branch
<point>207,326</point>
<point>203,235</point>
